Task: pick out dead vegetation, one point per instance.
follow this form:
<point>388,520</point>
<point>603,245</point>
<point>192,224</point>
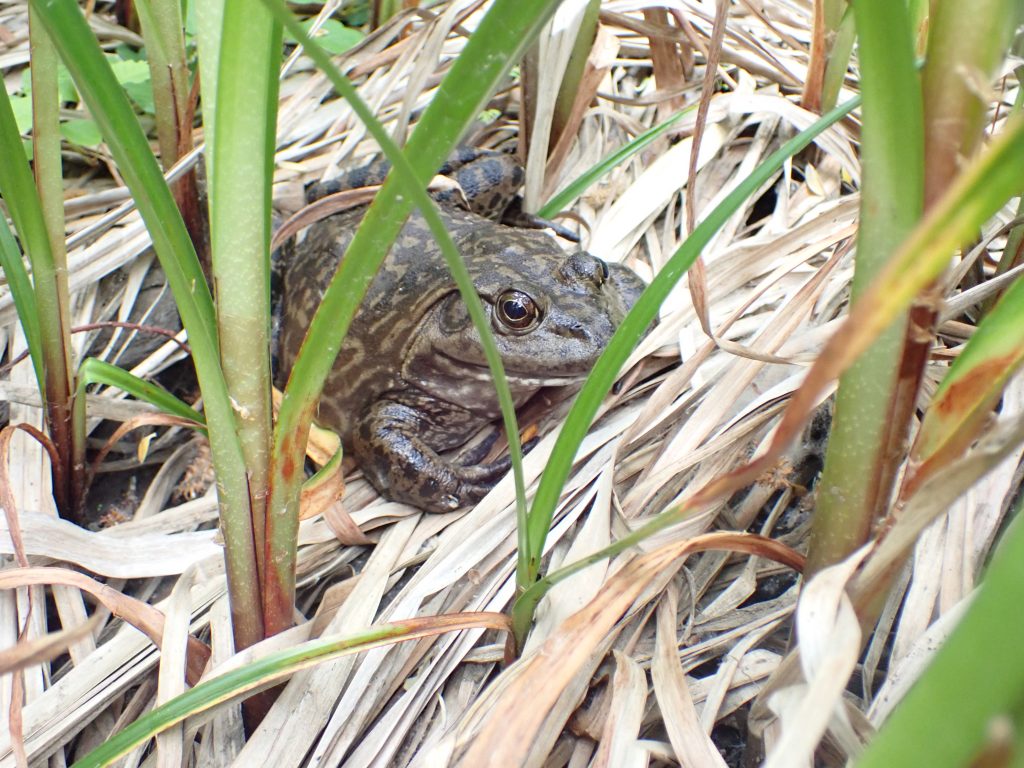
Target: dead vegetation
<point>636,661</point>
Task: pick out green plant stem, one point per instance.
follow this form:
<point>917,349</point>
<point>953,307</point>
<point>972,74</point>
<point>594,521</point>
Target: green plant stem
<point>857,478</point>
<point>129,147</point>
<point>502,34</point>
<point>209,22</point>
<point>162,27</point>
<point>966,42</point>
<point>25,208</point>
<point>838,60</point>
<point>49,183</point>
<point>243,160</point>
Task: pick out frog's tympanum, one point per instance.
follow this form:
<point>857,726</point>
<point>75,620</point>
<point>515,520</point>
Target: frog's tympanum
<point>411,381</point>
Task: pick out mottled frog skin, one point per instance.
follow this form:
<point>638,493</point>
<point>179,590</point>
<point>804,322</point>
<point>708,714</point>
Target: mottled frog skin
<point>411,381</point>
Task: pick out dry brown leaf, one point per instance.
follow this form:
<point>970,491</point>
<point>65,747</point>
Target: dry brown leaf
<point>618,746</point>
<point>542,675</point>
<point>51,645</point>
<point>140,615</point>
<point>320,493</point>
<point>151,420</point>
<point>689,740</point>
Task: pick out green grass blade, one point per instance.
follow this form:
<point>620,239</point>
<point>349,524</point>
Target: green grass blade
<point>24,297</point>
<point>501,36</point>
<point>18,190</point>
<point>625,339</point>
<point>94,371</point>
<point>563,199</point>
<point>120,128</point>
<point>273,667</point>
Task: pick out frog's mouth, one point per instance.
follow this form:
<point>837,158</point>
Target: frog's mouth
<point>482,372</point>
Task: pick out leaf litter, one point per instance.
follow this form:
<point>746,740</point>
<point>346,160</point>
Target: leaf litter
<point>650,658</point>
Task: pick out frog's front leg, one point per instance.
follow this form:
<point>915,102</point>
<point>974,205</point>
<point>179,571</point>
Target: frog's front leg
<point>401,465</point>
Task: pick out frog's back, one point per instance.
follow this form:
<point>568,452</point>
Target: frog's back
<point>411,280</point>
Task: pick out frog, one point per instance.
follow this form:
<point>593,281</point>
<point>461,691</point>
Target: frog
<point>411,384</point>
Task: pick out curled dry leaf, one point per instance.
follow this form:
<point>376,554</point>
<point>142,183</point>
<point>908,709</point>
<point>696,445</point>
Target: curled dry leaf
<point>152,420</point>
<point>829,635</point>
<point>323,489</point>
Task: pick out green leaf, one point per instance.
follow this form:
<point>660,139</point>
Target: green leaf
<point>134,78</point>
<point>333,36</point>
<point>24,296</point>
<point>275,666</point>
<point>94,371</point>
<point>84,133</point>
<point>66,91</point>
<point>608,365</point>
<point>22,108</point>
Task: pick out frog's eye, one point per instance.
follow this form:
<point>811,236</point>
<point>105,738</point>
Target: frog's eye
<point>516,311</point>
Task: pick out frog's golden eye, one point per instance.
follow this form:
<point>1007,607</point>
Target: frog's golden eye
<point>516,310</point>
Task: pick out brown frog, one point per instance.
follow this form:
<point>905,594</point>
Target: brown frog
<point>411,381</point>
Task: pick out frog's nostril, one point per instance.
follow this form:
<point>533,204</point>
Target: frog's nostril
<point>577,330</point>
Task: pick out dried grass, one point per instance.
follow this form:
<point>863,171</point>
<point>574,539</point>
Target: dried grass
<point>709,630</point>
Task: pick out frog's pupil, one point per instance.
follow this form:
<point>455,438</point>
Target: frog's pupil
<point>516,310</point>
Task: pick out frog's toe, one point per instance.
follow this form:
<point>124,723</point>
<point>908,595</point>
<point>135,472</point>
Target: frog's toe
<point>484,474</point>
<point>463,494</point>
<point>468,495</point>
<point>460,487</point>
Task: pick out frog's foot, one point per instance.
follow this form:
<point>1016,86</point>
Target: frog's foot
<point>515,216</point>
<point>403,467</point>
<point>488,180</point>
